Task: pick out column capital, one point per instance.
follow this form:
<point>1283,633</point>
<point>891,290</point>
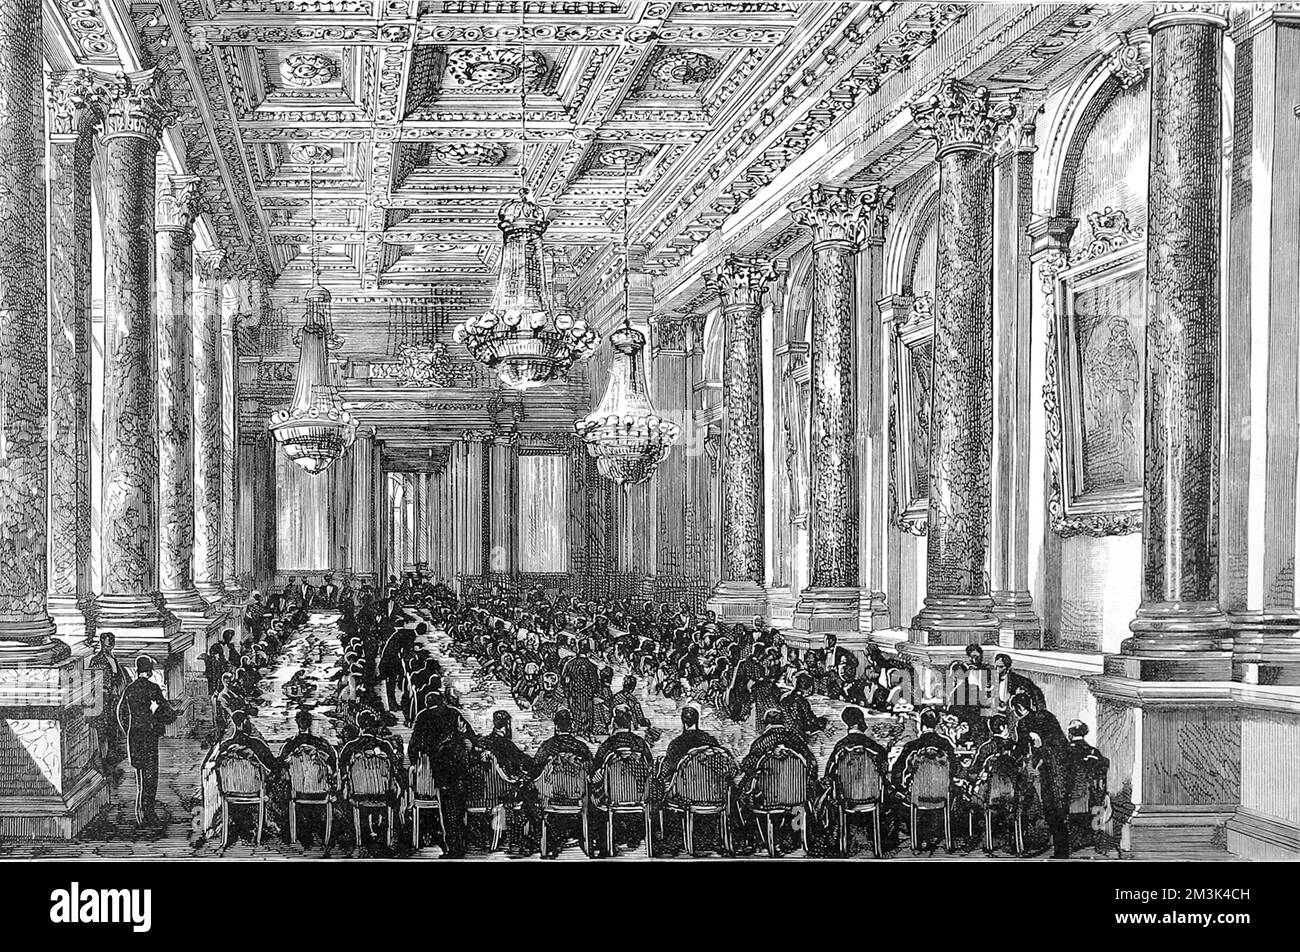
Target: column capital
<point>72,98</point>
<point>740,280</point>
<point>1050,235</point>
<point>844,215</point>
<point>133,105</point>
<point>177,203</point>
<point>208,265</point>
<point>1178,14</point>
<point>961,116</point>
<point>669,334</point>
<point>478,436</point>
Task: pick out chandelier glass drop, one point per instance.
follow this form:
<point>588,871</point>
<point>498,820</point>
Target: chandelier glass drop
<point>520,335</point>
<point>315,429</point>
<point>624,434</point>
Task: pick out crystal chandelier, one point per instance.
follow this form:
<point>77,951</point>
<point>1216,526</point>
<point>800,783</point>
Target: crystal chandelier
<point>315,429</point>
<point>624,434</point>
<point>520,336</point>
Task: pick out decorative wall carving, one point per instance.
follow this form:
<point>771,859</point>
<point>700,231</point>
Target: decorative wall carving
<point>308,70</point>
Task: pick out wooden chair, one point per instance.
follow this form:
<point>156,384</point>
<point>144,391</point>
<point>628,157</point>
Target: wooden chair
<point>627,791</point>
<point>859,789</point>
<point>781,785</point>
<point>563,788</point>
<point>998,788</point>
<point>1088,794</point>
<point>241,781</point>
<point>486,791</point>
<point>312,782</point>
<point>424,796</point>
<point>702,786</point>
<point>930,788</point>
<point>371,784</point>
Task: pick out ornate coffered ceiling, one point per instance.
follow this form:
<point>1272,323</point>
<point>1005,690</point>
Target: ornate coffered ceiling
<point>406,115</point>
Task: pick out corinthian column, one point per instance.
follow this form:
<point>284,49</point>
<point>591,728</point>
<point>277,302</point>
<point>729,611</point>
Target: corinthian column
<point>238,308</point>
<point>840,219</point>
<point>72,147</point>
<point>25,627</point>
<point>133,120</point>
<point>174,217</point>
<point>740,283</point>
<point>208,448</point>
<point>964,122</point>
<point>1179,633</point>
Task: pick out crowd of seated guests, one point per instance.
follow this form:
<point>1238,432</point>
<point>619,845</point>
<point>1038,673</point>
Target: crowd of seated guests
<point>558,658</point>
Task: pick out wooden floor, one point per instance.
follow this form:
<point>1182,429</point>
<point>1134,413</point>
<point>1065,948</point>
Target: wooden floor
<point>113,834</point>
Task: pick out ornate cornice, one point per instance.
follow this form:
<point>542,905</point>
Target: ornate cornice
<point>177,203</point>
<point>961,116</point>
<point>740,280</point>
<point>843,215</point>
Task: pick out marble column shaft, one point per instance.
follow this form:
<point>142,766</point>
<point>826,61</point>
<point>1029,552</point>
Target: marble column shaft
<point>232,312</point>
<point>420,530</point>
<point>1179,631</point>
<point>208,446</point>
<point>668,345</point>
<point>840,220</point>
<point>25,626</point>
<point>133,121</point>
<point>741,282</point>
<point>964,121</point>
<point>72,146</point>
<point>174,214</point>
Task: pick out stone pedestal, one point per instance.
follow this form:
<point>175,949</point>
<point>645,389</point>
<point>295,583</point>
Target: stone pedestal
<point>840,220</point>
<point>740,596</point>
<point>1175,762</point>
<point>965,122</point>
<point>1179,633</point>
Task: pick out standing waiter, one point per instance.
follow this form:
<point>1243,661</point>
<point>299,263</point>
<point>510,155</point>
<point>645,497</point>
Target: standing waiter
<point>143,712</point>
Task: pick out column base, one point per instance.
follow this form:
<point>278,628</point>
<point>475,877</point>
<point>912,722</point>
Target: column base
<point>873,614</point>
<point>827,611</point>
<point>1265,648</point>
<point>47,788</point>
<point>1175,641</point>
<point>212,594</point>
<point>236,594</point>
<point>190,608</point>
<point>738,601</point>
<point>141,627</point>
<point>1018,624</point>
<point>955,620</point>
<point>69,618</point>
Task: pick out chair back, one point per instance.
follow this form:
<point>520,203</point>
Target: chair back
<point>857,776</point>
<point>1089,783</point>
<point>423,786</point>
<point>703,777</point>
<point>239,773</point>
<point>999,781</point>
<point>486,783</point>
<point>564,780</point>
<point>782,778</point>
<point>370,774</point>
<point>627,775</point>
<point>309,771</point>
<point>931,776</point>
